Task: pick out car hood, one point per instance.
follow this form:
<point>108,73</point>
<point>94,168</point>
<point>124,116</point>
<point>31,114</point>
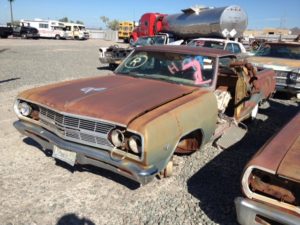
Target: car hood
<point>281,155</point>
<point>275,63</point>
<point>116,98</point>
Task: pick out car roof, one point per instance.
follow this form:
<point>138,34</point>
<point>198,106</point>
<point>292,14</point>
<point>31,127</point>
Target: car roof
<point>282,43</point>
<point>214,39</point>
<point>187,50</point>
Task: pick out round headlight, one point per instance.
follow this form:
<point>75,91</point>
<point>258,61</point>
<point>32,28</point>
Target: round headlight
<point>117,138</point>
<point>295,77</point>
<point>134,143</point>
<point>25,109</point>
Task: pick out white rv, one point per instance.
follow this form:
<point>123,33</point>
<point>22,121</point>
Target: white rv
<point>46,28</point>
<point>76,31</point>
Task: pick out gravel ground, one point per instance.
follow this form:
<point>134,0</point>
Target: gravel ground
<point>35,189</point>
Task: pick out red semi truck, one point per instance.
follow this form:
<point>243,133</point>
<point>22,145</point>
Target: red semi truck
<point>223,22</point>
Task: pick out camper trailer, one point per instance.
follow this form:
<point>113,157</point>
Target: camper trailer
<point>46,28</point>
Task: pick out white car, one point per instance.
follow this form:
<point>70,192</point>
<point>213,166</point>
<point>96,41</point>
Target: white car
<point>231,46</point>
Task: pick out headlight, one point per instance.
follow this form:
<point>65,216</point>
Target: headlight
<point>295,77</point>
<point>24,108</point>
<point>135,145</point>
<point>117,138</point>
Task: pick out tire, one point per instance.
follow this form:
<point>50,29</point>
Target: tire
<point>24,36</point>
<point>131,40</point>
<point>126,40</point>
<point>76,38</point>
<point>57,37</point>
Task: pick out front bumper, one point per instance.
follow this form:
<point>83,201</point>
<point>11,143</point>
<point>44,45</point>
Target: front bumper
<point>108,60</point>
<point>292,89</point>
<point>87,155</point>
<point>247,210</point>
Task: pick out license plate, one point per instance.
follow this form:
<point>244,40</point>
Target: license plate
<point>64,155</point>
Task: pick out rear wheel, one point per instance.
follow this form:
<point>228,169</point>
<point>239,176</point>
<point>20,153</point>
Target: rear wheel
<point>57,37</point>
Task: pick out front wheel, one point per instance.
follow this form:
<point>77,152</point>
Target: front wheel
<point>57,37</point>
<point>24,36</point>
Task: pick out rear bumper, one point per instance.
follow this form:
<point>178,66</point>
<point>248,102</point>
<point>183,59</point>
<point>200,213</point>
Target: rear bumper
<point>87,155</point>
<point>247,210</point>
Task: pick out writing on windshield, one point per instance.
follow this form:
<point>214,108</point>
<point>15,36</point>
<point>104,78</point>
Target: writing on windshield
<point>173,67</point>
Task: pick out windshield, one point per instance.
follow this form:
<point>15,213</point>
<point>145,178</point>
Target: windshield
<point>81,28</point>
<point>279,51</point>
<point>146,41</point>
<point>196,70</point>
<point>207,44</point>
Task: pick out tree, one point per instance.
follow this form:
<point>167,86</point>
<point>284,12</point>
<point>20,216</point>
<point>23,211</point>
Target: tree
<point>79,22</point>
<point>11,11</point>
<point>64,19</point>
<point>105,20</point>
<point>113,25</point>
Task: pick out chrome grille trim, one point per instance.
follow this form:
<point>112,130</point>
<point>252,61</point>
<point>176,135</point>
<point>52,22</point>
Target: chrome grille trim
<point>83,131</point>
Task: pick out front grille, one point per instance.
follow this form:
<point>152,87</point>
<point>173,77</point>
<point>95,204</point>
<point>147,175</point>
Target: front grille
<point>84,131</point>
<point>281,77</point>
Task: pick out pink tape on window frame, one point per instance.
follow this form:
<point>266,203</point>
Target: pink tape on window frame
<point>198,73</point>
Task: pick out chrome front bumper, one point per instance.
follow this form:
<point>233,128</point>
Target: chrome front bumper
<point>247,210</point>
<point>87,155</point>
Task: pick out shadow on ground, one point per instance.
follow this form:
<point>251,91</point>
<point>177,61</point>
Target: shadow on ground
<point>73,219</point>
<point>9,80</point>
<point>111,68</point>
<point>218,182</point>
<point>86,168</point>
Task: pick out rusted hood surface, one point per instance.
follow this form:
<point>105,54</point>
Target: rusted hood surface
<point>275,63</point>
<point>114,98</point>
<point>282,154</point>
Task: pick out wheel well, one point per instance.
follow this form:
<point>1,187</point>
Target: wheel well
<point>190,142</point>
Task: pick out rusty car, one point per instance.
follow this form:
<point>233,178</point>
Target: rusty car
<point>161,100</point>
<point>271,181</point>
<point>284,58</point>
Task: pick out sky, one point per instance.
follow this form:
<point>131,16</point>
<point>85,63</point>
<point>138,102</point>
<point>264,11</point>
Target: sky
<point>261,13</point>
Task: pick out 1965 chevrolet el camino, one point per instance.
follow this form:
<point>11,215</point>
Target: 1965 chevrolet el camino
<point>161,100</point>
<point>271,181</point>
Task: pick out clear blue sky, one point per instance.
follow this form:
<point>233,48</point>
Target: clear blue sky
<point>261,13</point>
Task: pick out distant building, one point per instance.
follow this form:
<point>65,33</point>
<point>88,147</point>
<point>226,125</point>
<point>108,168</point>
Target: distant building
<point>266,31</point>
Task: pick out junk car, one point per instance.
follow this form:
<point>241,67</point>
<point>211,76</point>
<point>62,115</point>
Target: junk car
<point>161,100</point>
<point>271,181</point>
<point>284,58</point>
